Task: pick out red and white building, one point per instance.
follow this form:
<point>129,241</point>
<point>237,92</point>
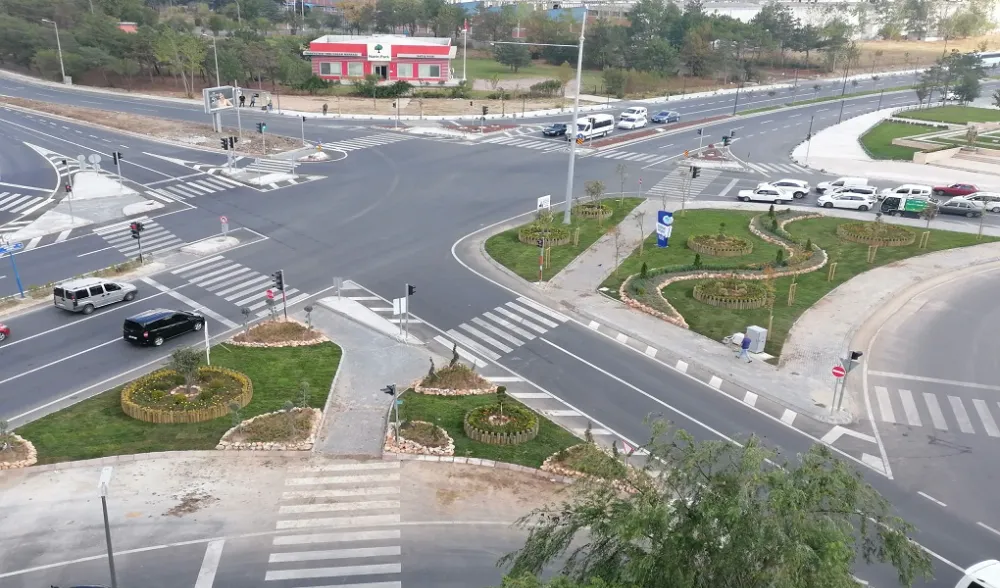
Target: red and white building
<point>390,57</point>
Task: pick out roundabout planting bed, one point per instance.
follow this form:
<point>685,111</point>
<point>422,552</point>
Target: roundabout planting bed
<point>162,397</point>
<point>876,233</point>
<point>598,210</point>
<point>732,293</point>
<point>720,245</point>
<point>551,234</point>
<point>501,424</point>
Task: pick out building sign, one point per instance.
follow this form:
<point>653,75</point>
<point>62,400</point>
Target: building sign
<point>664,226</point>
<point>333,53</point>
<point>379,52</point>
<point>420,56</point>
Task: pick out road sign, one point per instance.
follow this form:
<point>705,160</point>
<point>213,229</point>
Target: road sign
<point>11,248</point>
<point>545,202</point>
<point>270,294</point>
<point>224,219</point>
<point>664,226</point>
<point>94,158</point>
<point>398,306</point>
<point>579,136</point>
<point>839,372</point>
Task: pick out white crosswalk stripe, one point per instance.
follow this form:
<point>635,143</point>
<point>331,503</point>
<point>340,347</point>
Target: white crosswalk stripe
<point>674,184</point>
<point>358,546</point>
<point>272,166</point>
<point>500,330</point>
<point>237,284</point>
<point>940,418</point>
<point>366,142</point>
<point>527,143</point>
<point>16,203</point>
<point>154,237</point>
<point>769,169</point>
<point>651,158</point>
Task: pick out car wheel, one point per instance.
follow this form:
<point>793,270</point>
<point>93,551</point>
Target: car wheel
<point>130,297</point>
<point>894,213</point>
<point>863,208</point>
<point>88,309</point>
<point>938,192</point>
<point>3,335</point>
<point>158,341</point>
<point>799,195</point>
<point>745,198</point>
<point>828,205</point>
<point>970,214</point>
<point>198,326</point>
<point>996,209</point>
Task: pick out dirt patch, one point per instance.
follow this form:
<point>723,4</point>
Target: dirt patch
<point>281,427</point>
<point>163,129</point>
<point>277,332</point>
<point>455,377</point>
<point>426,434</point>
<point>190,503</point>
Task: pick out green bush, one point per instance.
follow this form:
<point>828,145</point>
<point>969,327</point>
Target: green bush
<point>519,418</point>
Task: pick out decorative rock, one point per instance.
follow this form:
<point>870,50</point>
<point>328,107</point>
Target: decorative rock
<point>30,460</point>
<point>404,445</point>
<point>552,466</point>
<point>450,392</point>
<point>226,444</point>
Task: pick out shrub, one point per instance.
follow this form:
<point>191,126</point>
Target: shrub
<point>644,270</point>
<point>697,260</point>
<point>313,84</point>
<point>779,257</point>
<point>462,90</point>
<point>547,88</point>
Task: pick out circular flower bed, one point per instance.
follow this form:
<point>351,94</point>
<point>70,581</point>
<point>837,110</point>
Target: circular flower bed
<point>552,234</point>
<point>720,245</point>
<point>876,233</point>
<point>732,293</point>
<point>507,425</point>
<point>161,397</point>
<point>420,437</point>
<point>598,210</point>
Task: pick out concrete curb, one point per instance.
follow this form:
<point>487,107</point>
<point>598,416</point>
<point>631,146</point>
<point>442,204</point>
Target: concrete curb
<point>475,461</point>
<point>120,459</point>
<point>329,396</point>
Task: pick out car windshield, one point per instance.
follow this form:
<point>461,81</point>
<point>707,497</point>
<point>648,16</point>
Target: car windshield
<point>663,113</point>
<point>558,125</point>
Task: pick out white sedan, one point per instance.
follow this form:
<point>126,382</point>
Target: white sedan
<point>766,193</point>
<point>798,188</point>
<point>845,200</point>
<point>632,122</point>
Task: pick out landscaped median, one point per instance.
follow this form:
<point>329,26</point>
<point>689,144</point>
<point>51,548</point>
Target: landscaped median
<point>517,249</point>
<point>263,390</point>
<point>821,99</point>
<point>726,269</point>
<point>933,122</point>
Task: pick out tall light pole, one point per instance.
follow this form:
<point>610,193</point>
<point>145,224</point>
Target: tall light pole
<point>102,487</point>
<point>62,68</point>
<point>571,133</point>
<point>215,49</point>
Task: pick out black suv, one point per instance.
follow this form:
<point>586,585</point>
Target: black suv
<point>153,327</point>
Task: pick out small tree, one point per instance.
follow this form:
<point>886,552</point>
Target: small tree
<point>971,134</point>
<point>454,355</point>
<point>501,397</point>
<point>304,394</point>
<point>779,256</point>
<point>4,435</point>
<point>616,239</point>
<point>644,271</point>
<point>430,371</point>
<point>922,93</point>
<point>996,98</point>
<point>722,230</point>
<point>640,218</point>
<point>186,361</point>
<point>697,261</point>
<point>817,88</point>
<point>289,418</point>
<point>622,170</point>
<point>588,433</point>
<point>309,310</point>
<point>929,213</point>
<point>594,190</point>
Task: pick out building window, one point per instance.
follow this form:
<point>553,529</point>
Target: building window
<point>430,71</point>
<point>355,69</point>
<point>404,70</point>
<point>328,68</point>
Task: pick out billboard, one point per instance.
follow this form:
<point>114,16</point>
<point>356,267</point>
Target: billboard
<point>219,99</point>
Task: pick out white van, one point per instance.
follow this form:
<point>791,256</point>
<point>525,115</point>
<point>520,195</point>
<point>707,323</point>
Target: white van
<point>595,125</point>
<point>86,294</point>
<point>634,112</point>
<point>908,191</point>
<point>845,182</point>
<point>985,574</point>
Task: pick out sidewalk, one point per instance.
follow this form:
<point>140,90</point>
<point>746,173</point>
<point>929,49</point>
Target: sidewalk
<point>802,381</point>
<point>836,150</point>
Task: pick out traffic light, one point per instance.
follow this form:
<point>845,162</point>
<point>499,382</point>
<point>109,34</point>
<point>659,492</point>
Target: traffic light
<point>68,188</point>
<point>136,228</point>
<point>233,141</point>
<point>856,355</point>
<point>486,110</point>
<point>116,157</point>
<point>695,172</point>
<point>390,389</point>
<point>700,132</point>
<point>225,143</point>
<point>725,140</point>
<point>411,290</point>
<point>279,280</point>
<point>261,127</point>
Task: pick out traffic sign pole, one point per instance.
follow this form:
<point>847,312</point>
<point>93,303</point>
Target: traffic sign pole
<point>284,299</point>
<point>838,373</point>
<point>13,264</point>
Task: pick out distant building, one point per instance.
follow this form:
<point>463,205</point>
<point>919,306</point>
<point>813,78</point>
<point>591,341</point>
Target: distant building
<point>390,57</point>
<point>128,27</point>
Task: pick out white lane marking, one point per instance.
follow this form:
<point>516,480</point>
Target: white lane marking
<point>340,492</point>
<point>884,404</point>
<point>650,351</point>
<point>338,506</point>
<point>728,187</point>
<point>357,552</point>
<point>475,347</point>
<point>561,413</point>
<point>502,379</point>
<point>209,565</point>
<point>934,380</point>
<point>594,325</point>
<point>750,398</point>
<point>535,316</point>
<point>351,467</point>
<point>937,417</point>
<point>339,522</point>
<point>964,423</point>
<point>353,479</point>
<point>540,308</point>
<point>63,235</point>
<point>197,264</point>
<point>910,408</point>
<point>338,572</point>
<point>988,528</point>
<point>60,360</point>
<point>788,417</point>
<point>931,498</point>
<point>621,338</point>
<point>484,337</point>
<point>530,395</point>
<point>521,320</point>
<point>498,332</point>
<point>509,325</point>
<point>984,415</point>
<point>194,305</point>
<point>462,352</point>
<point>681,366</point>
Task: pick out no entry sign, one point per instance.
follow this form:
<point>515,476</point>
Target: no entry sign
<point>839,372</point>
<point>270,294</point>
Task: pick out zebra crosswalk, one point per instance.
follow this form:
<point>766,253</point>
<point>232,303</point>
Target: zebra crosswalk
<point>366,142</point>
<point>236,283</point>
<point>338,522</point>
<point>549,146</point>
<point>17,203</point>
<point>191,188</point>
<point>673,184</point>
<point>155,239</point>
<point>904,407</point>
<point>272,166</point>
<point>769,169</point>
<point>541,145</point>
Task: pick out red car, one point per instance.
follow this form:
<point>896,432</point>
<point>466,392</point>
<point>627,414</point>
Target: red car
<point>955,190</point>
<point>4,331</point>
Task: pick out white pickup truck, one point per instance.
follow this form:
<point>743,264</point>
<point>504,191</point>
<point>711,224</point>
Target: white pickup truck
<point>767,193</point>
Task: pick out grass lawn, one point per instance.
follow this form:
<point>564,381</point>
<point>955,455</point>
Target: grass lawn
<point>956,115</point>
<point>97,427</point>
<point>522,259</point>
<point>878,141</point>
<point>716,323</point>
<point>448,412</point>
<point>484,68</point>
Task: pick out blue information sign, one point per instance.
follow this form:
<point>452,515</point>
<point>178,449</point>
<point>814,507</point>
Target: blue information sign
<point>664,225</point>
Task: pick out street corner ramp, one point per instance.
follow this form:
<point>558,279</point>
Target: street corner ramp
<point>351,307</point>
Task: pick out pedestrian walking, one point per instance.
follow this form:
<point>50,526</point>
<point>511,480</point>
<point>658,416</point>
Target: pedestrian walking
<point>325,108</point>
<point>243,100</point>
<point>744,349</point>
<point>253,99</point>
<point>269,107</point>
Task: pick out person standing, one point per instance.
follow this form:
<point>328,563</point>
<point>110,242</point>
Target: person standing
<point>253,99</point>
<point>243,100</point>
<point>744,349</point>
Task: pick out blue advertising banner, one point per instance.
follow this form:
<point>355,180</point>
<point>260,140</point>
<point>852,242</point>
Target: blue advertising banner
<point>664,225</point>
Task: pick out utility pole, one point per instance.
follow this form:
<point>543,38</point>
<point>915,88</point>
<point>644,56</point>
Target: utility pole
<point>102,486</point>
<point>809,138</point>
<point>568,213</point>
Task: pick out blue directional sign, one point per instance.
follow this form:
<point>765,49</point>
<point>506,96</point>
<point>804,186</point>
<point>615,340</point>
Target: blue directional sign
<point>13,247</point>
<point>10,250</point>
<point>664,226</point>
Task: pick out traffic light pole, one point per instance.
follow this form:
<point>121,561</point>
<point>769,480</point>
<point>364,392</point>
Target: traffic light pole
<point>118,165</point>
<point>284,299</point>
<point>138,241</point>
<point>406,314</point>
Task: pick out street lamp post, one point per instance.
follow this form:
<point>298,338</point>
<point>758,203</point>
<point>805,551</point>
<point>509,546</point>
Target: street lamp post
<point>102,486</point>
<point>568,212</point>
<point>215,49</point>
<point>62,68</point>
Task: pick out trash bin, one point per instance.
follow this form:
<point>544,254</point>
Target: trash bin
<point>758,338</point>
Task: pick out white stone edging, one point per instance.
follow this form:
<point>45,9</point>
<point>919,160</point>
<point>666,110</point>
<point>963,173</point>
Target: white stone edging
<point>305,445</point>
<point>409,446</point>
<point>321,338</point>
<point>31,460</point>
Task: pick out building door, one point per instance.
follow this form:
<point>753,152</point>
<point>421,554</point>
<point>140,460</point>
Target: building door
<point>382,71</point>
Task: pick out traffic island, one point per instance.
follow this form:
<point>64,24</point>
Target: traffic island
<point>518,250</point>
<point>702,291</point>
<point>99,427</point>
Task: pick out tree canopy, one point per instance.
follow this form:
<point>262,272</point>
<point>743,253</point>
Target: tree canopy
<point>719,515</point>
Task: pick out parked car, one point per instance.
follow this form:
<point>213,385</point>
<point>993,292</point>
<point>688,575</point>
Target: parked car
<point>847,200</point>
<point>961,206</point>
<point>955,190</point>
<point>985,574</point>
<point>902,206</point>
<point>843,182</point>
<point>555,130</point>
<point>86,294</point>
<point>635,111</point>
<point>798,188</point>
<point>632,121</point>
<point>766,193</point>
<point>4,331</point>
<point>908,191</point>
<point>153,327</point>
<point>666,116</point>
<point>990,200</point>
